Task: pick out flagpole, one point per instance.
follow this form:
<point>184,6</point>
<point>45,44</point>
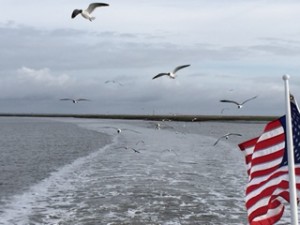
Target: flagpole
<point>290,150</point>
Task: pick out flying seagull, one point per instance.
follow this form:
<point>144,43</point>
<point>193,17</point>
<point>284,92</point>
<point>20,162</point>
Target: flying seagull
<point>171,74</point>
<point>170,150</point>
<point>114,82</point>
<point>86,13</point>
<point>226,136</point>
<point>239,105</point>
<point>74,100</point>
<point>129,148</point>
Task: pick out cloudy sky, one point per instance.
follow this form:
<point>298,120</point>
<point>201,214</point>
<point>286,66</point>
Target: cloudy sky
<point>237,49</point>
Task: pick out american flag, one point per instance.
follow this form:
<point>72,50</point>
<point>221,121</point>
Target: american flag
<point>267,168</point>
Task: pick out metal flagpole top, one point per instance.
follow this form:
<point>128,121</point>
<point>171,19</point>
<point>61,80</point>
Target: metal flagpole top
<point>286,77</point>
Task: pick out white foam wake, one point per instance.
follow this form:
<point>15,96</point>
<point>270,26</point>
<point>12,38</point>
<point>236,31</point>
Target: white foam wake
<point>21,208</point>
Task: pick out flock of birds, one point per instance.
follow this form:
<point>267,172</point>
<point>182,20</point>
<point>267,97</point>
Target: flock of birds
<point>86,14</point>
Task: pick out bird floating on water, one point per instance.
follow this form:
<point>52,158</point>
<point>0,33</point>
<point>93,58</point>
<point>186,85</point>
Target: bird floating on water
<point>226,136</point>
<point>171,74</point>
<point>161,125</point>
<point>74,100</point>
<point>86,13</point>
<point>119,130</point>
<point>239,105</point>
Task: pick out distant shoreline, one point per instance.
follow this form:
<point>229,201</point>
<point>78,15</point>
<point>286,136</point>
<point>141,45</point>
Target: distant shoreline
<point>186,118</point>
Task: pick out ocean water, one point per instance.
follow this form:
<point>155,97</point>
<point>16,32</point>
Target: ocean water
<point>82,172</point>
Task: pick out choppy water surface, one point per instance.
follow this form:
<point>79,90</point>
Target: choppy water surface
<point>71,171</point>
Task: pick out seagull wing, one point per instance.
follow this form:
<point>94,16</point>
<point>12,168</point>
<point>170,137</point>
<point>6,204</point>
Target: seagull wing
<point>136,151</point>
<point>119,83</point>
<point>66,99</point>
<point>236,134</point>
<point>249,100</point>
<point>218,140</point>
<point>229,101</point>
<point>226,135</point>
<point>75,13</point>
<point>113,81</point>
<point>223,110</point>
<point>179,68</point>
<point>159,75</point>
<point>92,6</point>
<point>82,99</point>
<point>140,142</point>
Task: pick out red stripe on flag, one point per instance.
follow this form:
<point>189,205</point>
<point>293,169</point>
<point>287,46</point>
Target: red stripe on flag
<point>274,203</point>
<point>272,125</point>
<point>268,180</point>
<point>269,142</point>
<point>262,173</point>
<point>248,144</point>
<point>267,192</point>
<point>274,218</point>
<point>268,158</point>
<point>276,175</point>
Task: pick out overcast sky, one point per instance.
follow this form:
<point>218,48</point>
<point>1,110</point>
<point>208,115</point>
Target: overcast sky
<point>237,49</point>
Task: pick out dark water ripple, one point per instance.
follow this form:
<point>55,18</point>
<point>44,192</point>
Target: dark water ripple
<point>33,148</point>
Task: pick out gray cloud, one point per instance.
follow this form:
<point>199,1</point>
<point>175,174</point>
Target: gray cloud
<point>40,65</point>
<point>68,49</point>
<point>279,47</point>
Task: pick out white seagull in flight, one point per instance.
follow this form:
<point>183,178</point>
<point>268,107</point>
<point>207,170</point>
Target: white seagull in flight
<point>239,105</point>
<point>129,148</point>
<point>226,136</point>
<point>74,100</point>
<point>171,74</point>
<point>114,82</point>
<point>86,13</point>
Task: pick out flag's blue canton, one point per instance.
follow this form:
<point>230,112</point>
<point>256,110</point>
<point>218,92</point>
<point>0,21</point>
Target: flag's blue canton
<point>296,134</point>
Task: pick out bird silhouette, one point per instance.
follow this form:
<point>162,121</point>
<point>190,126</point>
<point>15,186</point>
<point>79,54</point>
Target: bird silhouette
<point>239,105</point>
<point>223,110</point>
<point>86,13</point>
<point>226,136</point>
<point>170,74</point>
<point>75,101</point>
<point>114,82</point>
<point>129,148</point>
